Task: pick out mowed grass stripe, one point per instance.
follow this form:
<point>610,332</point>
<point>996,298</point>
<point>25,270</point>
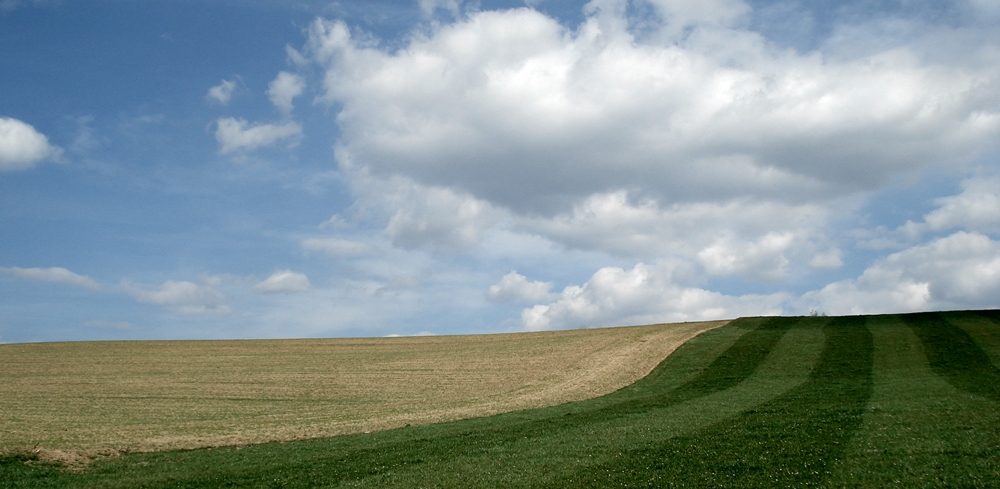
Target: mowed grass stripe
<point>737,363</point>
<point>954,355</point>
<point>792,441</point>
<point>984,327</point>
<point>919,431</point>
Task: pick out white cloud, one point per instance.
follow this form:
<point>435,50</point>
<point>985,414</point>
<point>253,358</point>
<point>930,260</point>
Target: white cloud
<point>683,143</point>
<point>440,219</point>
<point>755,239</point>
<point>515,287</point>
<point>183,297</point>
<point>513,109</point>
<point>283,89</point>
<point>643,295</point>
<point>762,260</point>
<point>831,259</point>
<point>284,282</point>
<point>238,135</point>
<point>339,248</point>
<point>21,146</point>
<point>977,208</point>
<point>54,274</point>
<point>421,217</point>
<point>694,141</point>
<point>223,92</point>
<point>960,271</point>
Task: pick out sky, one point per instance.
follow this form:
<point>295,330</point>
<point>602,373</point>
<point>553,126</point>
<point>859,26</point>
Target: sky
<point>288,168</point>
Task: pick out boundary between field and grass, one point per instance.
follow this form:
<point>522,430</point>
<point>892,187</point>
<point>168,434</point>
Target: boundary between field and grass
<point>72,402</point>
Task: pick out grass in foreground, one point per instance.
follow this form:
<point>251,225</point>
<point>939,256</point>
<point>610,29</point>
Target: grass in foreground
<point>870,401</point>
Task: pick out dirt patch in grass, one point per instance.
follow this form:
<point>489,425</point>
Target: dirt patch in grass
<point>71,402</point>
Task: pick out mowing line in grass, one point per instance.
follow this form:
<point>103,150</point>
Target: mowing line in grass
<point>984,328</point>
<point>792,441</point>
<point>919,430</point>
<point>954,355</point>
<point>993,314</point>
<point>728,370</point>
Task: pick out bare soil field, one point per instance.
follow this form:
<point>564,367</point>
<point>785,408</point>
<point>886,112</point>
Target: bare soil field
<point>72,399</point>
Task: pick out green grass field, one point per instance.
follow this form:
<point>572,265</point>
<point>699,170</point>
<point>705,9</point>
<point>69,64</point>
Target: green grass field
<point>865,401</point>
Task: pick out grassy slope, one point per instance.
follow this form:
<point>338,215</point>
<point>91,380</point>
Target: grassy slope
<point>905,400</point>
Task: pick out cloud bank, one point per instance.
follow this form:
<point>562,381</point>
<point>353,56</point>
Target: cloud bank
<point>682,141</point>
<point>514,108</point>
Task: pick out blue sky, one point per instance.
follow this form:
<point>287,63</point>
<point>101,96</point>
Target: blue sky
<point>268,169</point>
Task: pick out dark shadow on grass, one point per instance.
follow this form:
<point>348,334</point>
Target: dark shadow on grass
<point>791,441</point>
<point>954,355</point>
<point>728,370</point>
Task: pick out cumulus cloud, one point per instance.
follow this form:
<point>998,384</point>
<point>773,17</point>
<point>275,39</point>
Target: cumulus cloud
<point>613,222</point>
<point>515,109</point>
<point>682,142</point>
<point>284,282</point>
<point>223,92</point>
<point>515,287</point>
<point>960,271</point>
<point>182,297</point>
<point>339,248</point>
<point>54,274</point>
<point>21,146</point>
<point>283,89</point>
<point>976,208</point>
<point>763,260</point>
<point>755,239</point>
<point>685,137</point>
<point>439,218</point>
<point>830,259</point>
<point>239,135</point>
<point>643,295</point>
<point>421,217</point>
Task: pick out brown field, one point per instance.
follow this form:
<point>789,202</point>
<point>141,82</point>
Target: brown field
<point>90,397</point>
